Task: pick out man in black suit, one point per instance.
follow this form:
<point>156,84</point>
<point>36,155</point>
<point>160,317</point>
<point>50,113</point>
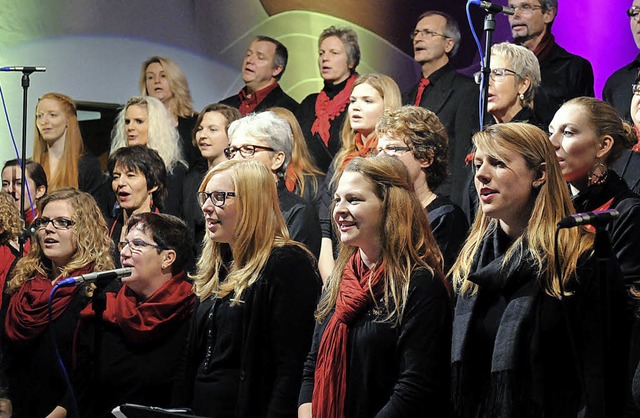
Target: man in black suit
<point>617,89</point>
<point>564,75</point>
<point>453,97</point>
<point>262,67</point>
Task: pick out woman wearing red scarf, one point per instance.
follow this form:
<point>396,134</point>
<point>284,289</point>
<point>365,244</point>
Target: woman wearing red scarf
<point>257,290</point>
<point>71,239</point>
<point>36,182</point>
<point>381,345</point>
<point>321,115</point>
<point>372,94</point>
<point>144,326</point>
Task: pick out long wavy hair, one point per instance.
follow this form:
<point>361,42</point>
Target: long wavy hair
<point>93,245</point>
<point>181,104</point>
<point>10,221</point>
<point>301,166</point>
<point>259,228</point>
<point>552,203</point>
<point>163,136</point>
<point>66,174</point>
<point>405,236</point>
<point>392,99</point>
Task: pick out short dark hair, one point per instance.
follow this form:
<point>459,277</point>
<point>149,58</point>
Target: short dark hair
<point>282,55</point>
<point>170,233</point>
<point>451,29</point>
<point>33,169</point>
<point>147,161</point>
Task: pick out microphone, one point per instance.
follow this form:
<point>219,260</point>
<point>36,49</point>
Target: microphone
<point>25,69</point>
<point>493,8</point>
<point>589,218</point>
<point>98,275</point>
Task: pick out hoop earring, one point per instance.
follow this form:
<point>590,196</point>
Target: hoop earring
<point>597,175</point>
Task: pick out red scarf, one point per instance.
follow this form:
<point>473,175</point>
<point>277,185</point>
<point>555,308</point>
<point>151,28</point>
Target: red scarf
<point>7,258</point>
<point>328,109</point>
<point>543,49</point>
<point>156,317</point>
<point>354,298</point>
<point>249,103</point>
<point>363,149</point>
<point>28,313</point>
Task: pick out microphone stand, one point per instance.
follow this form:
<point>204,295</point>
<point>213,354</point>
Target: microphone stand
<point>99,303</point>
<point>489,28</point>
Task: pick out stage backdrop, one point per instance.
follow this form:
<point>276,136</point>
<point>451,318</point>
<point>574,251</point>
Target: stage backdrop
<point>92,49</point>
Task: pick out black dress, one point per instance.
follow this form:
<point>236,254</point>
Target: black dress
<point>449,227</point>
<point>322,154</point>
<point>246,360</point>
<point>301,219</point>
<point>399,371</point>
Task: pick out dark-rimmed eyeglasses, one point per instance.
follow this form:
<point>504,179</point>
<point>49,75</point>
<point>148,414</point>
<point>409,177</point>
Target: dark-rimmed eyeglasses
<point>392,150</point>
<point>633,11</point>
<point>137,245</point>
<point>428,33</point>
<point>496,74</point>
<point>217,197</point>
<point>58,223</point>
<point>526,9</point>
<point>246,151</point>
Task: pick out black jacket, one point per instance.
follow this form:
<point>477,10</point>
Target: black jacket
<point>617,89</point>
<point>301,219</point>
<point>453,97</point>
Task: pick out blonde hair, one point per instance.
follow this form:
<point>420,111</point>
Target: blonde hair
<point>163,137</point>
<point>405,236</point>
<point>301,166</point>
<point>181,104</point>
<point>552,203</point>
<point>392,99</point>
<point>259,228</point>
<point>66,174</point>
<point>524,63</point>
<point>10,221</point>
<point>93,245</point>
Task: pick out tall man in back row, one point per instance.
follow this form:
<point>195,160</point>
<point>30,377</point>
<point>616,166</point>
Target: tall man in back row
<point>453,97</point>
<point>564,75</point>
<point>262,67</point>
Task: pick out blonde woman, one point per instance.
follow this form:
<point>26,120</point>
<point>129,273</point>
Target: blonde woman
<point>59,149</point>
<point>531,338</point>
<point>160,77</point>
<point>71,239</point>
<point>381,342</point>
<point>257,290</point>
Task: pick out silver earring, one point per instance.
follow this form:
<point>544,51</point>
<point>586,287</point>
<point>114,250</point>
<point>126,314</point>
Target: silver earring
<point>521,96</point>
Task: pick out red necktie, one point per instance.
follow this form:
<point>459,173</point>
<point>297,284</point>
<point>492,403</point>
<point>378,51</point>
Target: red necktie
<point>424,82</point>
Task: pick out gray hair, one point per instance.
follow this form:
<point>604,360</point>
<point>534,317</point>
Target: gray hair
<point>523,62</point>
<point>349,39</point>
<point>267,127</point>
<point>451,29</point>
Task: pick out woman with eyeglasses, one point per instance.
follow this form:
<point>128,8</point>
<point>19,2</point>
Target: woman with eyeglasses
<point>321,115</point>
<point>532,338</point>
<point>257,290</point>
<point>71,239</point>
<point>138,180</point>
<point>382,337</point>
<point>415,136</point>
<point>144,327</point>
<point>372,94</point>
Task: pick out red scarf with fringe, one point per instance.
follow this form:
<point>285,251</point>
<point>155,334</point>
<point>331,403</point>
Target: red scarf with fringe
<point>354,298</point>
<point>28,312</point>
<point>363,148</point>
<point>157,316</point>
<point>328,109</point>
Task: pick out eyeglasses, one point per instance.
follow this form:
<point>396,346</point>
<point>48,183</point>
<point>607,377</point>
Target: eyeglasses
<point>246,151</point>
<point>392,151</point>
<point>428,33</point>
<point>635,89</point>
<point>58,223</point>
<point>138,245</point>
<point>496,74</point>
<point>217,197</point>
<point>634,11</point>
<point>526,9</point>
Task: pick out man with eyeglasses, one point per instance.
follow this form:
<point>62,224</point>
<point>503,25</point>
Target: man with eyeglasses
<point>564,75</point>
<point>617,90</point>
<point>453,97</point>
<point>267,138</point>
<point>262,67</point>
